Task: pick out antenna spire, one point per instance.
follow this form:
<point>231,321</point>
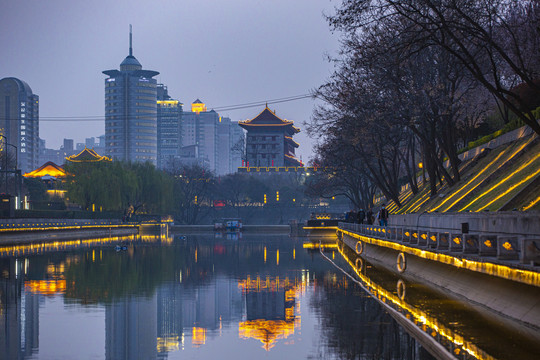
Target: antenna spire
<point>130,42</point>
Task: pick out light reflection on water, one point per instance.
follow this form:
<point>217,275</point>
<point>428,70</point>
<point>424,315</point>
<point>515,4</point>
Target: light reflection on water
<point>197,297</point>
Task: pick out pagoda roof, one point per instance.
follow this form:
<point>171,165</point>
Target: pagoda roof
<point>47,169</point>
<point>87,155</point>
<point>293,160</point>
<point>290,139</point>
<point>268,118</point>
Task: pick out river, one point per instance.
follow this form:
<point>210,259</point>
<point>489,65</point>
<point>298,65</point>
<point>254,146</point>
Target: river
<point>208,297</point>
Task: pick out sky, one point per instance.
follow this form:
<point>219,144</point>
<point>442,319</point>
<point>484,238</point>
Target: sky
<point>224,52</point>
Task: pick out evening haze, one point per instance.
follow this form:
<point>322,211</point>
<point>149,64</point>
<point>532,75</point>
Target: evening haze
<point>222,52</point>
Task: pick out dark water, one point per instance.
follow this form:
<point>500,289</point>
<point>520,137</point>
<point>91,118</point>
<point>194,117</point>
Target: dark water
<point>202,297</point>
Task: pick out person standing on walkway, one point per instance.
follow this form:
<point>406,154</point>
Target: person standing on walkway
<point>383,216</point>
<point>361,216</point>
<point>369,217</point>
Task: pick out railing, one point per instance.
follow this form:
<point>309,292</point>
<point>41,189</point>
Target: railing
<point>499,246</point>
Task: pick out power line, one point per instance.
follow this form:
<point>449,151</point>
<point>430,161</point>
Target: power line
<point>92,118</point>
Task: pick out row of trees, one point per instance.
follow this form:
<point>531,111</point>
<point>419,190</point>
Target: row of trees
<point>413,81</point>
<point>187,192</point>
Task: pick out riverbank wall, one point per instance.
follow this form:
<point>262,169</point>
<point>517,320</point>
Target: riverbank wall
<point>26,231</point>
<point>513,302</point>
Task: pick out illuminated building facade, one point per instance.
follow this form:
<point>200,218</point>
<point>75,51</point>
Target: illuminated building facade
<point>169,120</point>
<point>269,141</point>
<point>19,121</point>
<point>131,111</point>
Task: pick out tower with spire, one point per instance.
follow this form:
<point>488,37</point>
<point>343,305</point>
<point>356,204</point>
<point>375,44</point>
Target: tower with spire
<point>131,111</point>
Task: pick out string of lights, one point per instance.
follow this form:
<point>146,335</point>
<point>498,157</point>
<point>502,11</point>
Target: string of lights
<point>91,118</point>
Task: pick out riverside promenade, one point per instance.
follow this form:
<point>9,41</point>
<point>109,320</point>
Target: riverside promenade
<point>491,261</point>
<point>19,231</point>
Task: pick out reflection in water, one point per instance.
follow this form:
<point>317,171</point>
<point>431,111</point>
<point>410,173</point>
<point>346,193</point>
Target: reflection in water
<point>270,309</point>
<point>197,297</point>
<point>462,331</point>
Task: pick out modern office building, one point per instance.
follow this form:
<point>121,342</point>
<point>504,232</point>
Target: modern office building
<point>269,141</point>
<point>230,146</point>
<point>19,122</point>
<point>199,127</point>
<point>169,120</point>
<point>237,146</point>
<point>131,111</point>
<point>212,139</point>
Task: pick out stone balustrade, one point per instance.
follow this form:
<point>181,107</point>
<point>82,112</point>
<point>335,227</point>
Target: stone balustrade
<point>522,248</point>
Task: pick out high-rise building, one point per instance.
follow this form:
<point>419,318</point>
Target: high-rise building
<point>269,140</point>
<point>237,141</point>
<point>19,122</point>
<point>199,127</point>
<point>169,119</point>
<point>131,111</point>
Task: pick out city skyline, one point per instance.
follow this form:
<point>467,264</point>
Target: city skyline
<point>226,54</point>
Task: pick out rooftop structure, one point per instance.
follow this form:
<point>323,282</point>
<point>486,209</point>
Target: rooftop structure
<point>87,156</point>
<point>49,169</point>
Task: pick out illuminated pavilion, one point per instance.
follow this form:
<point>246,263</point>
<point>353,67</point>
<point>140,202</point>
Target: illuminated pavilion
<point>47,170</point>
<point>269,141</point>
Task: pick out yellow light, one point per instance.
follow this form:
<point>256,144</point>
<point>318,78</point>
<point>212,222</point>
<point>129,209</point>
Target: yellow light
<point>293,200</point>
<point>277,257</point>
<point>487,243</point>
<point>532,203</point>
<point>507,246</point>
<point>195,200</point>
<point>482,171</point>
<point>168,344</point>
<point>199,336</point>
<point>510,189</point>
<point>420,165</point>
<point>265,254</point>
<point>198,107</point>
<point>294,254</point>
<point>502,271</point>
<point>46,287</point>
<point>501,182</point>
<point>468,183</point>
<point>167,102</point>
<point>277,195</point>
<point>265,198</point>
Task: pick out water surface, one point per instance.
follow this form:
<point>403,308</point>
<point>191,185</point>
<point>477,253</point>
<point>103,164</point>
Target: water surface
<point>200,297</point>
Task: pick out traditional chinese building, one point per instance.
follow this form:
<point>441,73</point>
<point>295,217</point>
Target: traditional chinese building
<point>269,141</point>
<point>87,156</point>
<point>49,170</point>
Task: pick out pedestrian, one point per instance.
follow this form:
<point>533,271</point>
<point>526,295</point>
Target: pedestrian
<point>369,217</point>
<point>353,217</point>
<point>361,216</point>
<point>383,215</point>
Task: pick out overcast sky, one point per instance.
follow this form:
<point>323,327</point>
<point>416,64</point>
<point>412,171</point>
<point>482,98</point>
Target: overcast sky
<point>225,52</point>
